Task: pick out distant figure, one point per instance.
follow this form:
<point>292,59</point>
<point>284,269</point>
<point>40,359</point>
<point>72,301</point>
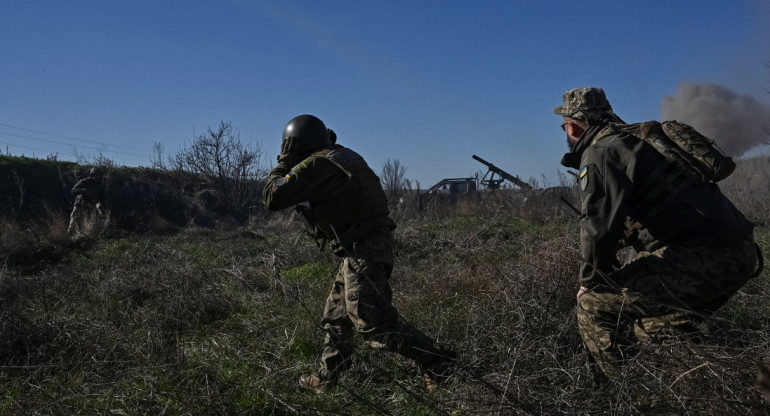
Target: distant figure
<point>693,248</point>
<point>348,208</point>
<point>89,197</point>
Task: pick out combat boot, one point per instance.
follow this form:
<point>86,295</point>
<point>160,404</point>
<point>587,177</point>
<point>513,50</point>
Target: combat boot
<point>440,370</point>
<point>316,382</point>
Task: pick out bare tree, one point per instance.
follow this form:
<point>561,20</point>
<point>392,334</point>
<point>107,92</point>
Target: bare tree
<point>104,161</point>
<point>100,159</point>
<point>231,167</point>
<point>393,178</point>
<point>80,157</point>
<point>156,157</point>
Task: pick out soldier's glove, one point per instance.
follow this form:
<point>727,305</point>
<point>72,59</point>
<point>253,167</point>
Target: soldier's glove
<point>289,156</point>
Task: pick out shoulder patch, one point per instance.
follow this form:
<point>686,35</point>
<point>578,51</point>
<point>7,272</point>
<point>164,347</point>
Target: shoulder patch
<point>282,181</point>
<point>583,176</point>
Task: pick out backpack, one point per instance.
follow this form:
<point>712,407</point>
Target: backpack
<point>692,158</point>
<point>682,145</point>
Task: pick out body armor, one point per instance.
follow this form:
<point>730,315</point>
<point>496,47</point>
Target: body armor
<point>360,199</point>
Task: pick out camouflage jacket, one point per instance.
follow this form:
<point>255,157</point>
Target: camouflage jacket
<point>345,197</point>
<point>613,168</point>
<point>89,189</point>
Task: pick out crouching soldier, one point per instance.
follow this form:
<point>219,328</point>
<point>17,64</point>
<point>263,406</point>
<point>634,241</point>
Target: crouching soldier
<point>347,207</point>
<point>693,248</point>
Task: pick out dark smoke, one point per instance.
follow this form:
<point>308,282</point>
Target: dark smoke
<point>736,122</point>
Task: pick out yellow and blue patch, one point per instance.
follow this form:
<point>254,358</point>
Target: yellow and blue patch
<point>583,177</point>
<point>282,181</point>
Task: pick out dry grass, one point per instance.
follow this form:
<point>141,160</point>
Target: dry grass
<point>223,321</point>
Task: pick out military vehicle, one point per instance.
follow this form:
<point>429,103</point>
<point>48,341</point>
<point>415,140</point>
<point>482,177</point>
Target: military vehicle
<point>462,186</point>
<point>454,186</point>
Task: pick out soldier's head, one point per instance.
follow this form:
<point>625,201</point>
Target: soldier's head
<point>584,107</point>
<point>587,104</point>
<point>309,133</point>
<point>574,129</point>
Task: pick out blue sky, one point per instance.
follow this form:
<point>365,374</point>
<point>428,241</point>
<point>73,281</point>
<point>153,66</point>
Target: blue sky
<point>427,82</point>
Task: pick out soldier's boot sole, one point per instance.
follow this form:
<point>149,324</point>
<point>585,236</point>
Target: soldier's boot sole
<point>314,383</point>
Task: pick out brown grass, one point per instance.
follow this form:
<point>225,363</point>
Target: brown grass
<point>223,321</point>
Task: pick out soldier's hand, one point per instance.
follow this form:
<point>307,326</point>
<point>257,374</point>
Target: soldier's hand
<point>583,290</point>
<point>289,153</point>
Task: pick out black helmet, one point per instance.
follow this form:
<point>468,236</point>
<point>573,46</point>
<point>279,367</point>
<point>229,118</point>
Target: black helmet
<point>311,132</point>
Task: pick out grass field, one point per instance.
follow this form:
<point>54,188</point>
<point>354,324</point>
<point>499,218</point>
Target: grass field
<point>223,321</point>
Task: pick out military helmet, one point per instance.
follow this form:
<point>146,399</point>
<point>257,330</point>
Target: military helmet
<point>587,104</point>
<point>310,131</point>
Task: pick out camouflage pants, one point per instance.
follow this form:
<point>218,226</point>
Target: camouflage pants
<point>361,301</point>
<point>672,288</point>
<point>84,215</point>
<point>80,211</point>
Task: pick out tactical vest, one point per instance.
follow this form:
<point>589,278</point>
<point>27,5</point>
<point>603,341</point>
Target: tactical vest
<point>359,199</point>
<point>689,158</point>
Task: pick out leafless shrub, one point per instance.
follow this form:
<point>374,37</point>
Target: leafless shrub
<point>232,168</point>
<point>393,177</point>
<point>99,159</point>
<point>156,157</point>
<point>28,243</point>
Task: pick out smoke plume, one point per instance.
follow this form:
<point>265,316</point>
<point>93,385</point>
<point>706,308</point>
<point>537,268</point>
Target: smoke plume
<point>736,122</point>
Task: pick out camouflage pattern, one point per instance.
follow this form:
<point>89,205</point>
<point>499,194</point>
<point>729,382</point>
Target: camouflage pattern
<point>587,104</point>
<point>361,297</point>
<point>361,301</point>
<point>83,212</point>
<point>618,172</point>
<point>669,290</point>
<point>344,202</point>
<point>360,199</point>
<point>89,199</point>
<point>695,248</point>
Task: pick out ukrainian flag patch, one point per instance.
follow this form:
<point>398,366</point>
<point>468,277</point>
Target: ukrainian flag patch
<point>583,176</point>
<point>282,181</point>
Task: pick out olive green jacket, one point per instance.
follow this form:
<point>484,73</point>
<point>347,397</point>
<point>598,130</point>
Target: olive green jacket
<point>322,183</point>
<point>613,168</point>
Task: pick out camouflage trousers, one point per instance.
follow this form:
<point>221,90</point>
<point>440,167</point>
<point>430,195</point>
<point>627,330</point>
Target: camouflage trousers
<point>83,213</point>
<point>361,302</point>
<point>667,291</point>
